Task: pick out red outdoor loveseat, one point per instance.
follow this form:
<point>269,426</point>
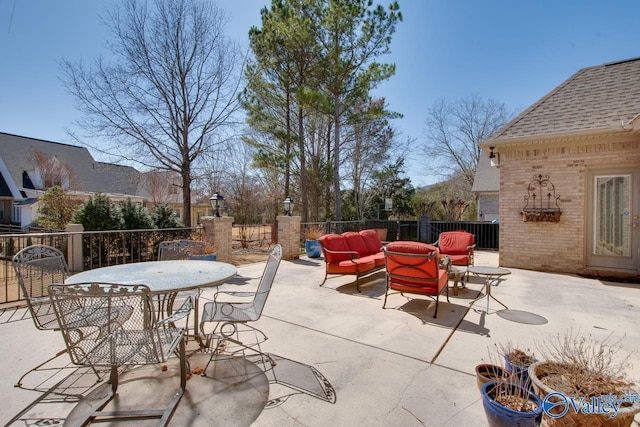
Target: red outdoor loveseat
<point>352,252</point>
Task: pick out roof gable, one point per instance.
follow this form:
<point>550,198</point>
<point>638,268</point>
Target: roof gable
<point>487,177</point>
<point>604,97</point>
<point>19,154</point>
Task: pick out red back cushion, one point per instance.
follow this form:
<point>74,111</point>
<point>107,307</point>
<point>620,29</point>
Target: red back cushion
<point>356,242</point>
<point>455,242</point>
<point>334,242</point>
<point>418,267</point>
<point>372,240</point>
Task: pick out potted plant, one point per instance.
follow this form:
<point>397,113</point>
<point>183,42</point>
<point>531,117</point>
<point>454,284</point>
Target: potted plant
<point>311,243</point>
<point>510,404</point>
<point>506,396</point>
<point>487,372</point>
<point>582,382</point>
<point>517,362</point>
<point>206,253</point>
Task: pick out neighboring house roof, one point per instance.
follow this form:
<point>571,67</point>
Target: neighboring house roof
<point>601,98</point>
<point>17,152</point>
<point>111,178</point>
<point>9,188</point>
<point>487,178</point>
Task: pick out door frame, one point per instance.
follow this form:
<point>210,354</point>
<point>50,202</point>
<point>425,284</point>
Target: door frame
<point>625,264</point>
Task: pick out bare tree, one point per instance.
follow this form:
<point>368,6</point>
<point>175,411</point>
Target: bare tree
<point>170,91</point>
<point>454,131</point>
<point>160,185</point>
<point>50,171</point>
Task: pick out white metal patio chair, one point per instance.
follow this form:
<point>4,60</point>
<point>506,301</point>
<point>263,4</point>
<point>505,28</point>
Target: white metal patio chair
<point>36,267</point>
<point>105,341</point>
<point>246,307</point>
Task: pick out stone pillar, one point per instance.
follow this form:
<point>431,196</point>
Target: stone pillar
<point>218,233</point>
<point>289,236</point>
<point>74,248</point>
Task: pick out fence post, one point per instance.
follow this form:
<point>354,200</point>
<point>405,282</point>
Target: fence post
<point>218,232</point>
<point>74,247</point>
<point>289,236</point>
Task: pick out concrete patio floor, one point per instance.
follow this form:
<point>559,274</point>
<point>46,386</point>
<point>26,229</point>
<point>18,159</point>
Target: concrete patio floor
<point>393,367</point>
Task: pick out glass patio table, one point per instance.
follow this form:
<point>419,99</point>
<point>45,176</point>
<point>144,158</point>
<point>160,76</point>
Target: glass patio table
<point>164,278</point>
<point>492,274</point>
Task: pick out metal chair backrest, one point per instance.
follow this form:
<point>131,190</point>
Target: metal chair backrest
<point>37,267</point>
<point>411,264</point>
<point>179,249</point>
<point>266,281</point>
<point>116,327</point>
<point>455,242</point>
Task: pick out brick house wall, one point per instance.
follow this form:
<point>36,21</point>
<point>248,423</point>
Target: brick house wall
<point>547,246</point>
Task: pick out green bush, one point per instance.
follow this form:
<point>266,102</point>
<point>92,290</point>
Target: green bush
<point>163,216</point>
<point>135,216</point>
<point>99,213</point>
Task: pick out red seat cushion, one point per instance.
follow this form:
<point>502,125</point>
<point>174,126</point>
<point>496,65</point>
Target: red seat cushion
<point>378,258</point>
<point>356,242</point>
<point>335,242</point>
<point>426,288</point>
<point>409,247</point>
<point>459,259</point>
<point>372,240</point>
<point>350,267</point>
<point>415,271</point>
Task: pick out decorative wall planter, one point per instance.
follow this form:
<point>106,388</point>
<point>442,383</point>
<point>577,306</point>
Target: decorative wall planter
<point>535,208</point>
<point>541,215</point>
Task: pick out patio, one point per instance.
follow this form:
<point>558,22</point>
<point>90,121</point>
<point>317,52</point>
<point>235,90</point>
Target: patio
<point>398,366</point>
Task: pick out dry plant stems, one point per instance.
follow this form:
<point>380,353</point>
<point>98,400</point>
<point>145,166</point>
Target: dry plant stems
<point>313,233</point>
<point>513,390</point>
<point>581,366</point>
<point>206,250</point>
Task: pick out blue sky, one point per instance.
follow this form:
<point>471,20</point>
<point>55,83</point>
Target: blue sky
<point>509,50</point>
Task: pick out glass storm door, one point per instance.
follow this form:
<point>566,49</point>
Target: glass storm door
<point>614,210</point>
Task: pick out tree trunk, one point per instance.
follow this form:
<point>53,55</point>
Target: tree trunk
<point>304,196</point>
<point>186,198</point>
<point>336,157</point>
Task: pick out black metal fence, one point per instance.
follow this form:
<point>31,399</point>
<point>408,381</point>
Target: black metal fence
<point>96,249</point>
<point>487,234</point>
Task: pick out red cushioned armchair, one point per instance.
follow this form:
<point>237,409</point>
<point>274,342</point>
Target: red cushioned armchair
<point>458,246</point>
<point>412,267</point>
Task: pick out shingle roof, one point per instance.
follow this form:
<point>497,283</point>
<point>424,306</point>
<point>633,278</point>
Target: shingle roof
<point>604,97</point>
<point>89,175</point>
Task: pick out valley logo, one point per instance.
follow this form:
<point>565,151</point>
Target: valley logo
<point>556,405</point>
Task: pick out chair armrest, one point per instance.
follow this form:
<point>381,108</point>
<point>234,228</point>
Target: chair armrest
<point>234,294</point>
<point>444,264</point>
<point>352,254</point>
<point>181,312</point>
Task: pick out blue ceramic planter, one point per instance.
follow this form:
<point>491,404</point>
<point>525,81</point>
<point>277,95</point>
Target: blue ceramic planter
<point>312,247</point>
<point>207,257</point>
<point>502,416</point>
<point>521,372</point>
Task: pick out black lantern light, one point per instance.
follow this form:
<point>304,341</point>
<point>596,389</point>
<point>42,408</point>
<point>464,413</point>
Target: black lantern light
<point>288,205</point>
<point>217,203</point>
